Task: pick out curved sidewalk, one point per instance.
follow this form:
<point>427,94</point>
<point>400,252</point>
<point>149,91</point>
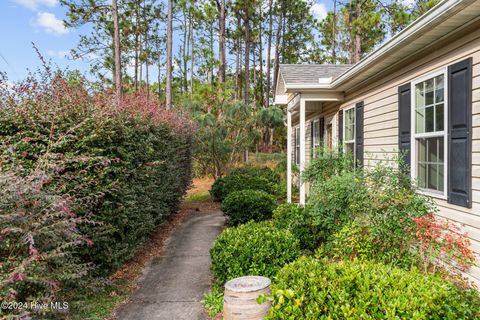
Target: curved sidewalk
<point>174,283</point>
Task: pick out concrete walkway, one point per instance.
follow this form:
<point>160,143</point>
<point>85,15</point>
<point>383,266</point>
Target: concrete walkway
<point>173,285</point>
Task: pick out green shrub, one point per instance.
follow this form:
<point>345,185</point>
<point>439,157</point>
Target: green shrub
<point>383,203</point>
<point>125,168</point>
<point>313,289</point>
<point>252,249</point>
<point>352,241</point>
<point>245,178</point>
<point>335,201</point>
<point>38,235</point>
<point>327,164</point>
<point>245,205</point>
<point>300,221</point>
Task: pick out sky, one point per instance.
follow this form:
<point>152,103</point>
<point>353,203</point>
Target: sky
<point>40,21</point>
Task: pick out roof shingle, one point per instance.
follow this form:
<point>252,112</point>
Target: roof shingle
<point>310,73</point>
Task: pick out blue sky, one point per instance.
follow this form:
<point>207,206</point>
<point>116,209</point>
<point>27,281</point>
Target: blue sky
<point>40,21</point>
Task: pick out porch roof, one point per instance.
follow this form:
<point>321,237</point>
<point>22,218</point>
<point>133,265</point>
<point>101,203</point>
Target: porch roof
<point>311,73</point>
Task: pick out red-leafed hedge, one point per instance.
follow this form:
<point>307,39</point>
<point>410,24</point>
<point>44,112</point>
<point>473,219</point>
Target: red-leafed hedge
<point>123,171</point>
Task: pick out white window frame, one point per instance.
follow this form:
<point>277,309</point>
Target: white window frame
<point>354,130</point>
<point>414,135</point>
<point>315,144</point>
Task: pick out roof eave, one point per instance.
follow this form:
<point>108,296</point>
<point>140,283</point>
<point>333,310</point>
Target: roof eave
<point>442,10</point>
<point>290,88</point>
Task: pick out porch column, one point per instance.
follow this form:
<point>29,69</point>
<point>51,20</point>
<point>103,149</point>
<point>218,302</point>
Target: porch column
<point>289,156</point>
<point>302,150</point>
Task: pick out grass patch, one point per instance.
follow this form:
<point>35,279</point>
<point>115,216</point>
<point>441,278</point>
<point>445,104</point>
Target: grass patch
<point>199,196</point>
<point>100,305</point>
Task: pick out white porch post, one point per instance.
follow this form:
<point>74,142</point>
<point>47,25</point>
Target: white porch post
<point>302,150</point>
<point>289,156</point>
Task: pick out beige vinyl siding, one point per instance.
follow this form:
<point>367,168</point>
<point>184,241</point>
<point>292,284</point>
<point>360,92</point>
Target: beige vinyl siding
<point>381,124</point>
<point>308,140</point>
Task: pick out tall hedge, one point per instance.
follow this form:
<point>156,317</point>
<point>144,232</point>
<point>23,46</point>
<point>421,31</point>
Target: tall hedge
<point>124,168</point>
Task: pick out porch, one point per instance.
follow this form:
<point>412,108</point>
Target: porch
<point>312,122</point>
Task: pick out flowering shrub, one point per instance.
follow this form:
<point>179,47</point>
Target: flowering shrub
<point>125,168</point>
<point>439,238</point>
<point>38,235</point>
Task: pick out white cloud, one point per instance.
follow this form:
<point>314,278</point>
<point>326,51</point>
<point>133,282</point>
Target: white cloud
<point>50,23</point>
<point>34,4</point>
<point>319,11</point>
<point>59,54</point>
<point>408,2</point>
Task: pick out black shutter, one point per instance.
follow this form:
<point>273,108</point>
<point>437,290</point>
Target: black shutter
<point>460,133</point>
<point>359,134</point>
<point>340,129</point>
<point>404,124</point>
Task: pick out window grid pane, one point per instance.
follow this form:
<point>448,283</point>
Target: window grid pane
<point>349,124</point>
<point>429,110</point>
<point>430,163</point>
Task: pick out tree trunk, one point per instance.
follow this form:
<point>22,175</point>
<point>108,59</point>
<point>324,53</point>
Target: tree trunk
<point>159,78</point>
<point>351,44</point>
<point>192,52</point>
<point>277,53</point>
<point>246,97</point>
<point>237,69</point>
<point>210,71</point>
<point>260,60</point>
<point>269,51</point>
<point>186,47</point>
<point>358,35</point>
<point>334,24</point>
<point>118,65</point>
<point>137,44</point>
<point>168,89</point>
<point>221,41</point>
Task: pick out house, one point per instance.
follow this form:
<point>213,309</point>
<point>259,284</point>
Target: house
<point>418,93</point>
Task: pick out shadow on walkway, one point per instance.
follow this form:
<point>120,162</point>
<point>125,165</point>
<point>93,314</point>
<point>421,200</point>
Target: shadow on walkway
<point>174,283</point>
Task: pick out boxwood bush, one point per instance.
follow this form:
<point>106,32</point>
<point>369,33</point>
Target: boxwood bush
<point>252,249</point>
<point>245,205</point>
<point>245,178</point>
<point>301,222</point>
<point>314,289</point>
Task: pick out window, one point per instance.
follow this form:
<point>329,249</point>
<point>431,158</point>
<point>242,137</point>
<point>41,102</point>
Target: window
<point>297,146</point>
<point>315,144</point>
<point>429,134</point>
<point>349,130</point>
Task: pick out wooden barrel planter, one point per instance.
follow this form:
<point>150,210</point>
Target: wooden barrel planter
<point>240,298</point>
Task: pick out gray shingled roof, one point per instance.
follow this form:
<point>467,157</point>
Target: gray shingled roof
<point>310,73</point>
